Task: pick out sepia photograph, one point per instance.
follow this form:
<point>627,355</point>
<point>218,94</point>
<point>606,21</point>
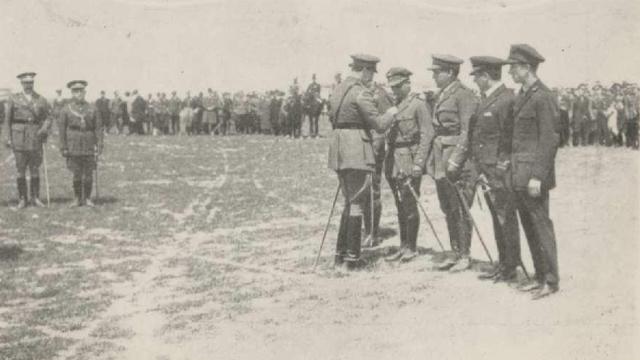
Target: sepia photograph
<point>322,180</point>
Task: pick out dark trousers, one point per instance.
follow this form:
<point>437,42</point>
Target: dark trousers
<point>371,228</point>
<point>408,216</point>
<point>580,133</point>
<point>458,221</point>
<point>538,227</point>
<point>502,206</point>
<point>313,125</point>
<point>632,133</point>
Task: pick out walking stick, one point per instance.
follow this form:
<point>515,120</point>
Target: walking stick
<point>465,206</point>
<point>46,174</point>
<point>326,228</point>
<point>424,212</point>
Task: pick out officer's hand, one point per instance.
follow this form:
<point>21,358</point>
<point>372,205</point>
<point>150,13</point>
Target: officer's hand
<point>391,111</point>
<point>534,187</point>
<point>452,172</point>
<point>416,172</point>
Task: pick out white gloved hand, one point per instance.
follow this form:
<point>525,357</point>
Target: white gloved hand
<point>534,187</point>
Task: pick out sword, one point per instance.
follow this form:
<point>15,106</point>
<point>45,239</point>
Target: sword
<point>424,212</point>
<point>46,174</point>
<point>326,228</point>
<point>465,206</point>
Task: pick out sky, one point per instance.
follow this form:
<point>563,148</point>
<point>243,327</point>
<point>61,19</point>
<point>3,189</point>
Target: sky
<point>164,45</point>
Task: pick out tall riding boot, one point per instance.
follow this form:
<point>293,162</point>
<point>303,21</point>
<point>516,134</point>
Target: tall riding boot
<point>353,240</point>
<point>342,243</point>
<point>22,192</point>
<point>88,186</point>
<point>77,192</point>
<point>412,225</point>
<point>35,192</point>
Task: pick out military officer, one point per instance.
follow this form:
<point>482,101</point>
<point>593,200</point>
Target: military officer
<point>27,124</point>
<point>351,153</point>
<point>490,134</point>
<point>533,151</point>
<point>409,142</point>
<point>81,141</point>
<point>454,106</point>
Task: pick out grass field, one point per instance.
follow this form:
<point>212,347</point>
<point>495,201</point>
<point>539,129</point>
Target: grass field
<point>202,248</point>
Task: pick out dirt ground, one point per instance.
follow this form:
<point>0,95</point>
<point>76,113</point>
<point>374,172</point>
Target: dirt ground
<point>202,248</point>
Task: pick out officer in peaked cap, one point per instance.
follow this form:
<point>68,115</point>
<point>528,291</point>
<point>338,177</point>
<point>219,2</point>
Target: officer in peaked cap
<point>534,146</point>
<point>351,153</point>
<point>408,142</point>
<point>81,141</point>
<point>490,145</point>
<point>27,123</point>
<point>454,106</point>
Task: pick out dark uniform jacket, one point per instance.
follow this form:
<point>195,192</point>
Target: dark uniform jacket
<point>454,107</point>
<point>410,138</point>
<point>102,104</point>
<point>80,129</point>
<point>535,139</point>
<point>356,115</point>
<point>25,118</point>
<point>490,135</point>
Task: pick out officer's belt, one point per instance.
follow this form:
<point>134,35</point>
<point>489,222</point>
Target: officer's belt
<point>78,128</point>
<point>353,126</point>
<point>447,132</point>
<point>22,121</point>
<point>403,144</point>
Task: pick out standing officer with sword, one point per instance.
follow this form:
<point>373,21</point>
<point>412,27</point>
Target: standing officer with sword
<point>81,141</point>
<point>351,152</point>
<point>409,142</point>
<point>27,124</point>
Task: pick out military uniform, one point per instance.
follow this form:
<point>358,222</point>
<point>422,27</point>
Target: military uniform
<point>351,153</point>
<point>372,222</point>
<point>409,142</point>
<point>174,111</point>
<point>27,124</point>
<point>534,146</point>
<point>81,140</point>
<point>313,106</point>
<point>454,107</point>
<point>490,134</point>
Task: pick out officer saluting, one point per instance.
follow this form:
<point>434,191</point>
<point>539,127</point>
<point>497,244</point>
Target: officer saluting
<point>454,107</point>
<point>351,152</point>
<point>27,125</point>
<point>409,142</point>
<point>81,141</point>
<point>490,137</point>
<point>534,146</point>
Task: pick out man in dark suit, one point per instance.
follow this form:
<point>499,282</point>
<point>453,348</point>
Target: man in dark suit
<point>533,151</point>
<point>490,142</point>
<point>137,114</point>
<point>351,154</point>
<point>581,119</point>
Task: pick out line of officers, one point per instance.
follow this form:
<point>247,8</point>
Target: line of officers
<point>28,121</point>
<point>504,142</point>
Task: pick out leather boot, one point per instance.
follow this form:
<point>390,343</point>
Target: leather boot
<point>88,186</point>
<point>77,192</point>
<point>412,225</point>
<point>22,193</point>
<point>35,192</point>
<point>353,240</point>
<point>341,244</point>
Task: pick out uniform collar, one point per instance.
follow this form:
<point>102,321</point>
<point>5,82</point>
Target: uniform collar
<point>493,88</point>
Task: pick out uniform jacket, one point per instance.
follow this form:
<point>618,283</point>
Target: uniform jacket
<point>102,104</point>
<point>24,119</point>
<point>535,139</point>
<point>410,138</point>
<point>353,104</point>
<point>581,110</point>
<point>80,129</point>
<point>117,107</point>
<point>454,107</point>
<point>174,105</point>
<point>490,135</point>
